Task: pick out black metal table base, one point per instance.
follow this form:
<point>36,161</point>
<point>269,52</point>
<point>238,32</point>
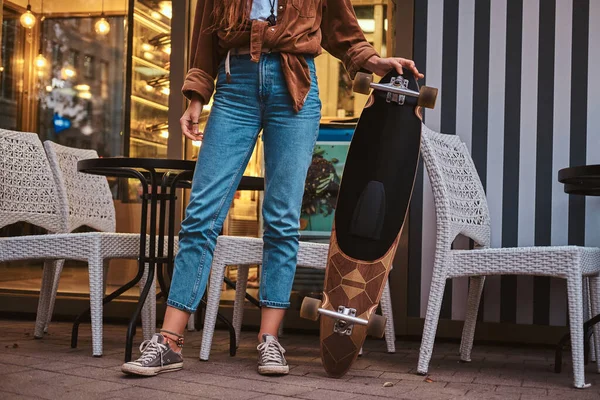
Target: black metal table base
<point>587,334</point>
<point>151,174</point>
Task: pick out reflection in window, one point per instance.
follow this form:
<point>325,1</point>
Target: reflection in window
<point>88,66</point>
<point>339,101</point>
<point>13,45</point>
<point>73,104</point>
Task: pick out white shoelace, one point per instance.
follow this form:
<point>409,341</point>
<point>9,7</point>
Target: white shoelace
<point>271,351</point>
<point>149,349</point>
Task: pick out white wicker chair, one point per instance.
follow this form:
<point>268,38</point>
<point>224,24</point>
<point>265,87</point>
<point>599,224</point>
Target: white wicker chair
<point>90,203</point>
<point>29,193</point>
<point>244,251</point>
<point>461,208</point>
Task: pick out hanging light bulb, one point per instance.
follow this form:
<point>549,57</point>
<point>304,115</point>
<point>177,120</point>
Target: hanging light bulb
<point>27,18</point>
<point>40,61</point>
<point>102,27</point>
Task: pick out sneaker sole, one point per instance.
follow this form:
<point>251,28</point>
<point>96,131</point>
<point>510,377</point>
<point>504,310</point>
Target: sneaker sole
<point>273,369</point>
<point>150,371</point>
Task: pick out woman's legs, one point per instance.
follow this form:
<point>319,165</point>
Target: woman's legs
<point>229,139</point>
<point>228,143</point>
<point>289,140</point>
<point>270,320</point>
<point>175,321</point>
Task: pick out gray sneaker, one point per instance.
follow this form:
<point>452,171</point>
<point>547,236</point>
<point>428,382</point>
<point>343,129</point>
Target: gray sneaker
<point>270,357</point>
<point>157,357</point>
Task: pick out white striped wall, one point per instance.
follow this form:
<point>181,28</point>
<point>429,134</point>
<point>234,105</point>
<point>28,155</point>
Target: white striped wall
<point>534,300</point>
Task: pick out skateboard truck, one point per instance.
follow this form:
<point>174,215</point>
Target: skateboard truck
<point>399,83</point>
<point>397,90</point>
<point>345,318</point>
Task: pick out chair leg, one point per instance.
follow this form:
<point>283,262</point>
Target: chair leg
<point>474,297</point>
<point>105,276</point>
<point>594,288</point>
<point>434,306</point>
<point>149,309</point>
<point>57,268</point>
<point>575,299</point>
<point>240,296</point>
<point>43,310</point>
<point>191,325</point>
<point>96,274</point>
<point>386,308</point>
<point>587,314</point>
<point>212,308</point>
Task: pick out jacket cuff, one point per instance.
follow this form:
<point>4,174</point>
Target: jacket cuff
<point>198,81</point>
<point>357,56</point>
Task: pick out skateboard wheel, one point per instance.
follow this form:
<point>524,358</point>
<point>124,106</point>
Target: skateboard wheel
<point>427,97</point>
<point>310,308</point>
<point>362,83</point>
<point>376,326</point>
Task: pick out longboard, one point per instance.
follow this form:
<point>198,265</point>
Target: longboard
<point>372,204</point>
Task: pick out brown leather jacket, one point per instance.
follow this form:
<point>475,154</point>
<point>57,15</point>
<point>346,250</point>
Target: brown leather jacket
<point>303,26</point>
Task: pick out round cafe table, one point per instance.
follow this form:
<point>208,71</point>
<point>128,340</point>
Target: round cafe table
<point>159,179</point>
<point>585,181</point>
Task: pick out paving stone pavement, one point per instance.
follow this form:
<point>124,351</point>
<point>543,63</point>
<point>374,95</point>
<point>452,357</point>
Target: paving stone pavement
<point>50,369</point>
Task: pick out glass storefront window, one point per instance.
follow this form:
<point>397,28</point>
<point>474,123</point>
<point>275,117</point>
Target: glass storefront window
<point>64,81</point>
<point>150,85</point>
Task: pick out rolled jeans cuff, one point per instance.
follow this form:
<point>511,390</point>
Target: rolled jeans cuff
<point>275,304</point>
<point>180,306</point>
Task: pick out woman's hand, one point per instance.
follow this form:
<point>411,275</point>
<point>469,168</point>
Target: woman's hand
<point>189,120</point>
<point>382,66</point>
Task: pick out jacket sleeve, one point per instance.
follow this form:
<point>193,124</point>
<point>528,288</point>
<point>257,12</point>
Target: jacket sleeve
<point>204,66</point>
<point>342,36</point>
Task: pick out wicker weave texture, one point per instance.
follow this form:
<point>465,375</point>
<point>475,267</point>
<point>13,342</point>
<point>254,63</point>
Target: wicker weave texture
<point>461,208</point>
<point>87,197</point>
<point>27,189</point>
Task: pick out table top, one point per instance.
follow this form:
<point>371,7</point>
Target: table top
<point>123,166</point>
<point>135,163</point>
<point>582,180</point>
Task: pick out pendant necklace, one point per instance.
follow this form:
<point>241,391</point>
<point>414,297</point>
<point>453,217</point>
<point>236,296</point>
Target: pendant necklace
<point>272,20</point>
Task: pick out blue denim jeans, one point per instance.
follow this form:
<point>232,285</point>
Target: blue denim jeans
<point>256,99</point>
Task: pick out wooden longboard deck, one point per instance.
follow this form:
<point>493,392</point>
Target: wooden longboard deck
<point>372,204</point>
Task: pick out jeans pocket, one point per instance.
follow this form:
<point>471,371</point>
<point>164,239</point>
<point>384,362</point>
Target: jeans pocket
<point>305,8</point>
